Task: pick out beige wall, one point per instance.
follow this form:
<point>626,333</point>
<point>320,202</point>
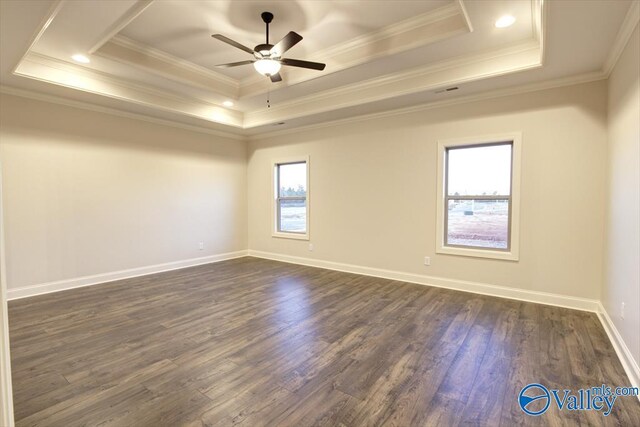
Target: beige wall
<point>88,193</point>
<point>622,274</point>
<point>373,190</point>
<point>6,393</point>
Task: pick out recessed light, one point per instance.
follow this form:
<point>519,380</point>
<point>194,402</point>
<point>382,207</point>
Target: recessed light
<point>228,103</point>
<point>80,58</point>
<point>505,21</point>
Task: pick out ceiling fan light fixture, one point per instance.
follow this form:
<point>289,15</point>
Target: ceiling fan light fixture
<point>267,67</point>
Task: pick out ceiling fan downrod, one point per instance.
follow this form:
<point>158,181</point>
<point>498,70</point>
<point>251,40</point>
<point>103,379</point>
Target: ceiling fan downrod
<point>267,17</point>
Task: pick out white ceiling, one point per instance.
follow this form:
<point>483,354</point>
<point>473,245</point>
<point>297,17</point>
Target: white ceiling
<point>157,58</point>
<point>185,31</point>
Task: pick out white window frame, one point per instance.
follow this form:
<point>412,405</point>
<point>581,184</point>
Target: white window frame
<point>513,253</point>
<point>274,198</point>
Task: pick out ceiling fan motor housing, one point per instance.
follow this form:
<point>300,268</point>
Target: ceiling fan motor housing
<point>263,49</point>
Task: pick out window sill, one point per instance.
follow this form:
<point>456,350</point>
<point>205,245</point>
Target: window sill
<point>294,236</point>
<point>479,253</point>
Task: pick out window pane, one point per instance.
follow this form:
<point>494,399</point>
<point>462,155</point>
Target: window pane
<point>477,171</point>
<point>478,223</point>
<point>293,216</point>
<point>293,180</point>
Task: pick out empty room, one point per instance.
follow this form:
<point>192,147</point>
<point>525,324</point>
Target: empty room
<point>319,213</point>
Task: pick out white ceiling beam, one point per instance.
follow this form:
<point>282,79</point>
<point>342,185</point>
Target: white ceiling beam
<point>120,23</point>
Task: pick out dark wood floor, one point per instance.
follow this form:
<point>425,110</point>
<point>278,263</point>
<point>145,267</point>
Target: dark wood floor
<point>256,342</point>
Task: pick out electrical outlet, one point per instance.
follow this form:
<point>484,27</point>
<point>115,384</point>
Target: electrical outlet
<point>622,310</point>
<point>427,260</point>
<point>201,246</point>
<point>311,247</point>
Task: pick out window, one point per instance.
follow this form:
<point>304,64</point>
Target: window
<point>478,197</point>
<point>291,207</point>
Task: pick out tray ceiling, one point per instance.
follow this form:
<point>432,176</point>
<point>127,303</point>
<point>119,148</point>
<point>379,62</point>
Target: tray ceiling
<point>158,57</point>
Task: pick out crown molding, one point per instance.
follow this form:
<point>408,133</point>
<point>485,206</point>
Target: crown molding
<point>438,23</point>
<point>9,90</point>
<point>622,38</point>
<point>131,52</point>
<point>411,33</point>
<point>422,30</point>
<point>538,19</point>
<point>44,24</point>
<point>50,70</point>
<point>516,90</point>
<point>102,76</point>
<point>401,83</point>
<point>118,25</point>
<point>539,22</point>
<point>161,55</point>
<point>517,57</point>
<point>445,22</point>
<point>405,27</point>
<point>533,87</point>
<point>463,11</point>
<point>454,71</point>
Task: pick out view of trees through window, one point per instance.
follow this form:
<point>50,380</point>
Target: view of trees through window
<point>478,183</point>
<point>292,197</point>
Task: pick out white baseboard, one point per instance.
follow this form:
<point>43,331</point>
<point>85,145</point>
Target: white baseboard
<point>624,354</point>
<point>62,285</point>
<point>459,285</point>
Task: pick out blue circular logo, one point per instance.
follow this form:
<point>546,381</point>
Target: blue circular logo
<point>533,397</point>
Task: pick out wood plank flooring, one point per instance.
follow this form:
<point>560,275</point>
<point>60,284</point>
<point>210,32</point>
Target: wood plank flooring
<point>253,342</point>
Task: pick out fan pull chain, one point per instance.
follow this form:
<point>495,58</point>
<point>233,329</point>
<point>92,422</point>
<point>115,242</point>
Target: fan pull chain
<point>268,98</point>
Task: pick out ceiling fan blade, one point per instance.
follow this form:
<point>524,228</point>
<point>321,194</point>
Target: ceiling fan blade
<point>303,64</point>
<point>286,43</point>
<point>232,42</point>
<point>235,64</point>
<point>276,78</point>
